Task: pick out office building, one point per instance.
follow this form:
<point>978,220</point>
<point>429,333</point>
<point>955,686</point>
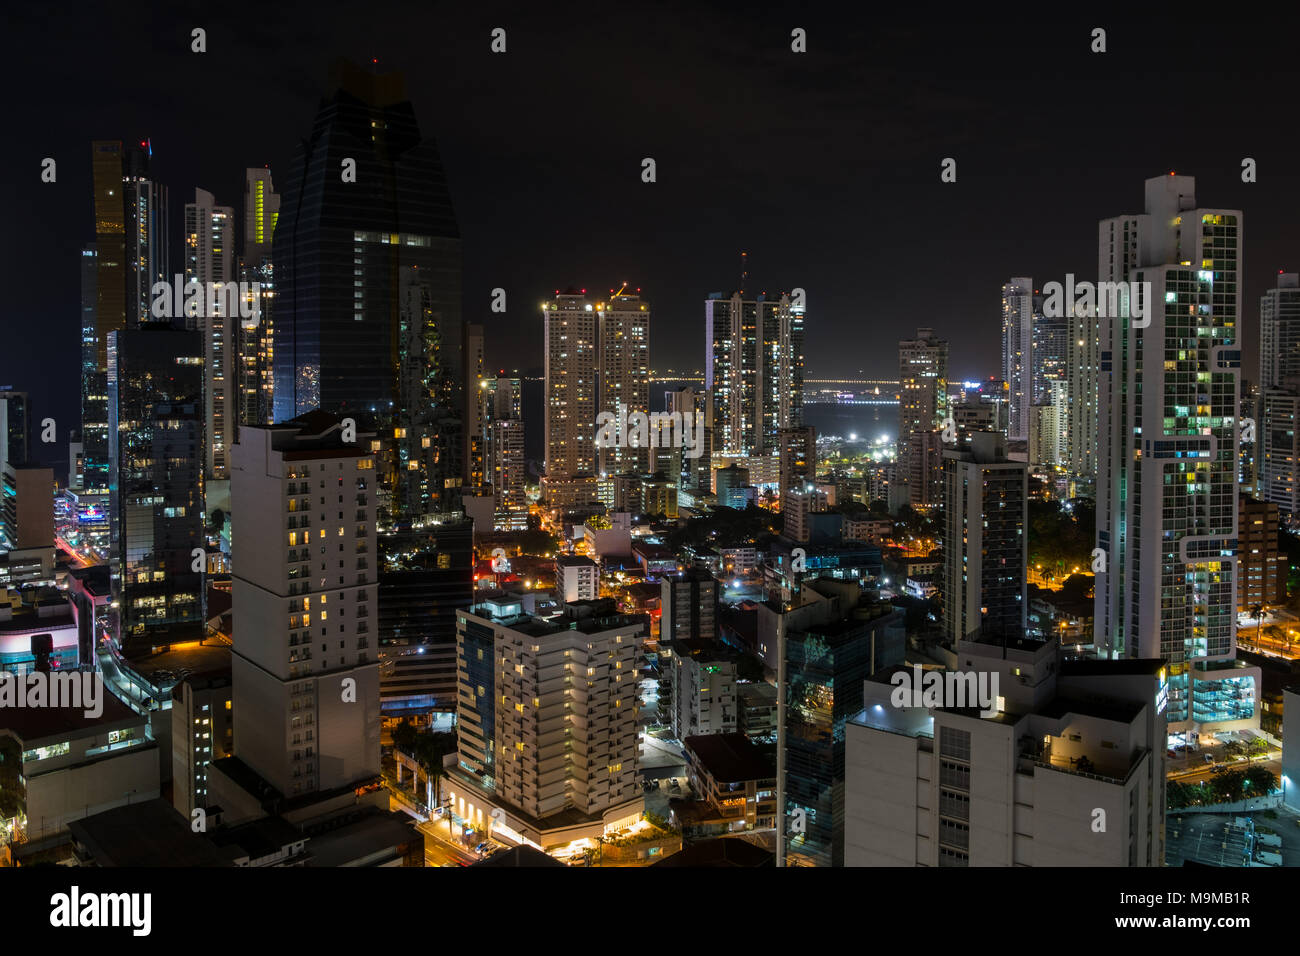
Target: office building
<point>922,409</point>
<point>1069,771</point>
<point>425,576</point>
<point>1167,464</point>
<point>129,255</point>
<point>367,289</point>
<point>986,541</point>
<point>822,671</point>
<point>157,508</point>
<point>305,671</point>
<point>256,342</point>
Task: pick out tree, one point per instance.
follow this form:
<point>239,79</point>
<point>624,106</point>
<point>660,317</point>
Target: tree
<point>1260,781</point>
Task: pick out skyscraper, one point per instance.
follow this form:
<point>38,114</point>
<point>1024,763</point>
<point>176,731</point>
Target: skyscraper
<point>210,261</point>
<point>922,408</point>
<point>1048,363</point>
<point>986,539</point>
<point>129,255</point>
<point>1279,332</point>
<point>624,348</point>
<point>753,370</point>
<point>1082,357</point>
<point>1168,449</point>
<point>256,349</point>
<point>305,672</point>
<point>569,332</point>
<point>367,282</point>
<point>156,505</point>
<point>1017,352</point>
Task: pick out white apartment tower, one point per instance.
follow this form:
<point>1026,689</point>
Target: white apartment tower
<point>210,261</point>
<point>305,671</point>
<point>1168,450</point>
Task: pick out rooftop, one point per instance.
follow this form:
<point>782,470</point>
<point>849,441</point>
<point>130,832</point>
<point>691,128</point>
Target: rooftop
<point>732,758</point>
<point>148,833</point>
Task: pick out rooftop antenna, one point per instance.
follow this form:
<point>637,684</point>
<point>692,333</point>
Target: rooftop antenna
<point>744,271</point>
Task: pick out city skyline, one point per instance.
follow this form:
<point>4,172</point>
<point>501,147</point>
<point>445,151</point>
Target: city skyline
<point>494,148</point>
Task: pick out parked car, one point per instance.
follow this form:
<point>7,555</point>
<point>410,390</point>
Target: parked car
<point>481,847</point>
<point>1209,758</point>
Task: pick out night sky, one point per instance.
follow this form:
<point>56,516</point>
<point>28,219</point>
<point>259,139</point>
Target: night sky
<point>823,166</point>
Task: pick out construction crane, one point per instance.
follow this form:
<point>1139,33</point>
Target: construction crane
<point>618,293</point>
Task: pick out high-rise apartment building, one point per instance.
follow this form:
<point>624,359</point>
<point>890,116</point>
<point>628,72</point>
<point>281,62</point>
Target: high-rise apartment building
<point>1048,363</point>
<point>702,677</point>
<point>1278,437</point>
<point>797,449</point>
<point>753,370</point>
<point>157,505</point>
<point>1082,359</point>
<point>1261,565</point>
<point>939,786</point>
<point>1279,331</point>
<point>986,538</point>
<point>210,261</point>
<point>688,603</point>
<point>547,721</point>
<point>922,409</point>
<point>1017,352</point>
<point>1168,449</point>
<point>624,349</point>
<point>569,332</point>
<point>305,672</point>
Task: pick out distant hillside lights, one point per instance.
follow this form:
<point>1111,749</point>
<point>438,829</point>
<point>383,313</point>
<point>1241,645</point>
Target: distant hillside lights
<point>1107,298</point>
<point>622,429</point>
<point>196,299</point>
